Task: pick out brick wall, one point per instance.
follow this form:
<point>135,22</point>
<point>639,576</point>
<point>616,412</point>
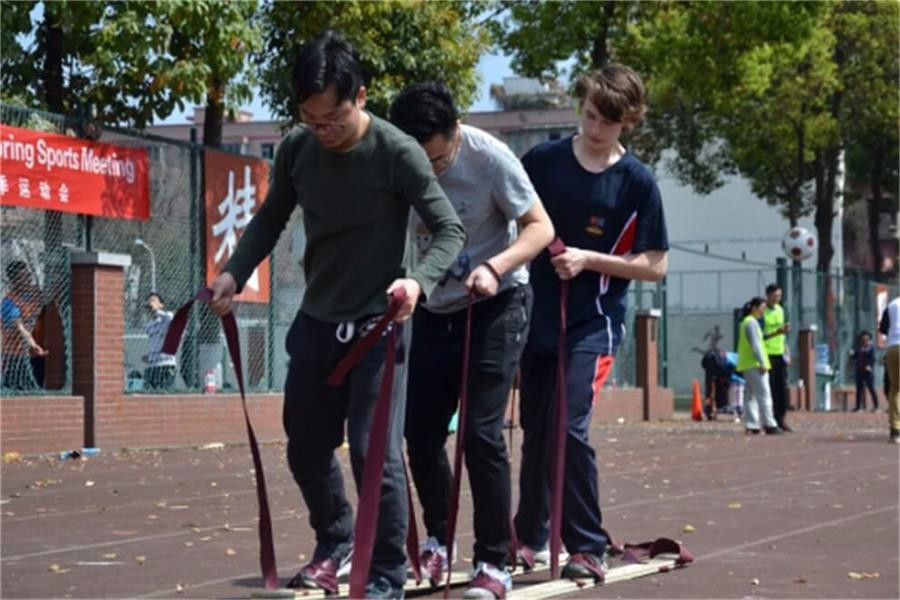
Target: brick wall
<point>37,424</point>
<point>146,420</point>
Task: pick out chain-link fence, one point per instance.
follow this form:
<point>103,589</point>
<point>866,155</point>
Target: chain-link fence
<point>36,305</point>
<point>167,261</point>
<point>704,306</point>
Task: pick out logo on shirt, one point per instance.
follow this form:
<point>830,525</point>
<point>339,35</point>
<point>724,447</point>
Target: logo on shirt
<point>595,224</point>
<point>423,238</point>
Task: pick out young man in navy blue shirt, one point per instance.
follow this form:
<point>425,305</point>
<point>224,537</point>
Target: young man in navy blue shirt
<point>606,208</point>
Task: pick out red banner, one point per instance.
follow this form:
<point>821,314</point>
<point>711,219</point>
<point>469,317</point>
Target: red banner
<point>235,189</point>
<point>56,172</point>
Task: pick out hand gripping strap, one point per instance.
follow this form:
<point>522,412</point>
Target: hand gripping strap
<point>370,492</point>
<point>229,325</point>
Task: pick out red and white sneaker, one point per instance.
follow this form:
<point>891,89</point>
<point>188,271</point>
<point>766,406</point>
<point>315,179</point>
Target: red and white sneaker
<point>433,559</point>
<point>489,582</point>
<point>583,565</point>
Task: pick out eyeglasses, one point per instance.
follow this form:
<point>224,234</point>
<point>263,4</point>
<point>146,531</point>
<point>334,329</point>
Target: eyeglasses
<point>337,123</point>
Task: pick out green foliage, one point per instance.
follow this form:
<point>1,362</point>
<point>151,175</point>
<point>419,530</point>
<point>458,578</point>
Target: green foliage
<point>770,90</point>
<point>399,42</point>
<point>128,62</point>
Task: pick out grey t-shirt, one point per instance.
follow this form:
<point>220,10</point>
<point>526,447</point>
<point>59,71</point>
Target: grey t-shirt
<point>490,190</point>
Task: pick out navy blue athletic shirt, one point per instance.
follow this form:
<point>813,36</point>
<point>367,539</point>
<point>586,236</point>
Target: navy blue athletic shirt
<point>618,211</point>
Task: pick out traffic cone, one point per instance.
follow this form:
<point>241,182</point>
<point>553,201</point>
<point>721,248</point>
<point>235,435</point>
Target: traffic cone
<point>697,404</point>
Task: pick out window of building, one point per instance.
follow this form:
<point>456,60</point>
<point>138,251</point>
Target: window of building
<point>267,150</point>
<point>236,148</point>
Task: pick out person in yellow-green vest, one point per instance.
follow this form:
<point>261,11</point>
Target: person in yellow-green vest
<point>775,331</point>
<point>753,363</point>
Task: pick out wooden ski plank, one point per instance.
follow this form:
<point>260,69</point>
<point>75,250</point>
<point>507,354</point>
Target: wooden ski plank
<point>550,589</point>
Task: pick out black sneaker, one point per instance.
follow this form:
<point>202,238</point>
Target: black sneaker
<point>774,431</point>
<point>584,565</point>
<point>895,436</point>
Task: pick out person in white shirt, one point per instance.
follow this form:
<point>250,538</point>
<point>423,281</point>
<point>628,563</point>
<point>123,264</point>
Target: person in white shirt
<point>890,326</point>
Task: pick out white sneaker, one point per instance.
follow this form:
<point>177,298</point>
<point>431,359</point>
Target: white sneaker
<point>489,581</point>
<point>528,557</point>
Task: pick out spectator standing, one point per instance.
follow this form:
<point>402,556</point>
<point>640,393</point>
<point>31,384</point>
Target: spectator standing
<point>890,327</point>
<point>753,364</point>
<point>864,371</point>
<point>160,371</point>
<point>775,330</point>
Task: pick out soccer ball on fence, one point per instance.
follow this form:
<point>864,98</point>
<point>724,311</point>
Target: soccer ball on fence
<point>799,243</point>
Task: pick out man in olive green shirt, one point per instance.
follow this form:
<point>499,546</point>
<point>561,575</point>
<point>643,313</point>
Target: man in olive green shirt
<point>356,178</point>
<point>775,330</point>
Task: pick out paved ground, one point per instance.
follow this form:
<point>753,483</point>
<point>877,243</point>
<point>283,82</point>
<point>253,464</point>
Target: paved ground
<point>813,514</point>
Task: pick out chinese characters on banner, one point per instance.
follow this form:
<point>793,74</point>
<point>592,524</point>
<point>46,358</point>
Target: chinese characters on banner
<point>56,172</point>
<point>235,189</point>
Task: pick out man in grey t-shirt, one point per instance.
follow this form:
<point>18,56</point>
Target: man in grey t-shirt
<point>507,227</point>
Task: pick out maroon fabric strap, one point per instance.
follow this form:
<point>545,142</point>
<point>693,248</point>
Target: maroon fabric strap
<point>229,325</point>
<point>513,538</point>
<point>636,553</point>
<point>373,469</point>
<point>412,537</point>
<point>460,444</point>
<point>558,462</point>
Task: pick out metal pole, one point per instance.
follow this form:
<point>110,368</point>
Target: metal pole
<point>143,244</point>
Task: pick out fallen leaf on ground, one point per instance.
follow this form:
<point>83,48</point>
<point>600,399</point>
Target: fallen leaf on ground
<point>179,587</point>
<point>11,457</point>
<point>800,580</point>
<point>688,529</point>
<point>754,581</point>
<point>189,544</point>
<point>230,552</point>
<point>864,575</point>
<point>140,559</point>
<point>109,556</point>
<point>89,483</point>
<point>55,568</point>
<point>734,505</point>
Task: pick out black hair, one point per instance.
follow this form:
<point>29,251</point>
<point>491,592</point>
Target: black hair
<point>325,61</point>
<point>15,269</point>
<point>424,110</point>
<point>772,287</point>
<point>864,332</point>
<point>750,305</point>
<point>158,297</point>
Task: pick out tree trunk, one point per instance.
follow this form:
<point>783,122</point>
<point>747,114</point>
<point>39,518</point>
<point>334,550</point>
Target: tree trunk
<point>873,204</point>
<point>52,72</point>
<point>215,115</point>
<point>825,171</point>
<point>600,49</point>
